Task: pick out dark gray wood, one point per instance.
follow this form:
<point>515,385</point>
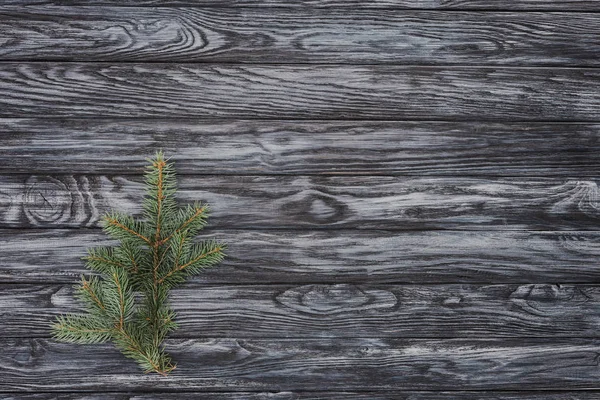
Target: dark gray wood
<point>281,395</point>
<point>364,202</point>
<point>310,364</point>
<point>449,5</point>
<point>407,187</point>
<point>340,256</point>
<point>286,91</point>
<point>302,147</point>
<point>341,310</point>
<point>281,36</point>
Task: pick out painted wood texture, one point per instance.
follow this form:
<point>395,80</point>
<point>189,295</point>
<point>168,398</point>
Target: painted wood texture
<point>371,202</point>
<point>335,257</point>
<point>310,364</point>
<point>299,91</point>
<point>299,36</point>
<point>334,310</point>
<point>447,5</point>
<point>237,147</point>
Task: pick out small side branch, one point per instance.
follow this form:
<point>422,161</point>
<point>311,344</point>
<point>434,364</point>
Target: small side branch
<point>184,266</point>
<point>88,288</point>
<point>196,214</point>
<point>117,224</point>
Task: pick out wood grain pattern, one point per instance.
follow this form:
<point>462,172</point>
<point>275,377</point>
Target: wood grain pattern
<point>340,256</point>
<point>407,187</point>
<point>227,147</point>
<point>287,91</point>
<point>369,202</point>
<point>448,5</point>
<point>287,395</point>
<point>327,311</point>
<point>311,364</point>
<point>282,36</point>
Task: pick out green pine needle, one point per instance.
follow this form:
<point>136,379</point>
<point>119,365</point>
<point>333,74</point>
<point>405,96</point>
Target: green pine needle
<point>83,329</point>
<point>127,302</point>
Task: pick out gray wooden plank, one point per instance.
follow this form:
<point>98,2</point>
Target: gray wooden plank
<point>121,146</point>
<point>286,395</point>
<point>340,256</point>
<point>308,91</point>
<point>310,364</point>
<point>523,5</point>
<point>284,202</point>
<point>340,310</point>
<point>282,36</point>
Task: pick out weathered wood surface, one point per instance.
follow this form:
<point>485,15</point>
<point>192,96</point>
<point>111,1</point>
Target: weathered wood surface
<point>286,395</point>
<point>364,202</point>
<point>339,256</point>
<point>238,147</point>
<point>310,364</point>
<point>339,310</point>
<point>370,257</point>
<point>447,5</point>
<point>285,36</point>
<point>299,91</point>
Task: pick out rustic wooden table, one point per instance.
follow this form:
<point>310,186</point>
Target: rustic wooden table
<point>408,189</point>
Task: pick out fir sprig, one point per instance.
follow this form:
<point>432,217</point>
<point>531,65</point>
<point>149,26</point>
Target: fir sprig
<point>127,302</point>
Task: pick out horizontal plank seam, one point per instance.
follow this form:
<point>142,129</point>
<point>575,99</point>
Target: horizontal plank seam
<point>274,391</point>
<point>375,391</point>
<point>15,6</point>
<point>195,6</point>
<point>214,119</point>
<point>217,229</point>
<point>73,172</point>
<point>464,338</point>
<point>457,65</point>
<point>547,339</point>
<point>283,284</point>
<point>302,228</point>
<point>296,283</point>
<point>381,390</point>
<point>481,120</point>
<point>316,64</point>
<point>140,175</point>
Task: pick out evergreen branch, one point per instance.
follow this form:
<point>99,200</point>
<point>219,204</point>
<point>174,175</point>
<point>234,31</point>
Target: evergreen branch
<point>203,256</point>
<point>134,264</point>
<point>178,254</point>
<point>102,259</point>
<point>197,214</point>
<point>113,221</point>
<point>133,349</point>
<point>119,298</point>
<point>86,286</point>
<point>121,301</point>
<point>159,164</point>
<point>128,302</point>
<point>159,205</point>
<point>82,329</point>
<point>91,294</point>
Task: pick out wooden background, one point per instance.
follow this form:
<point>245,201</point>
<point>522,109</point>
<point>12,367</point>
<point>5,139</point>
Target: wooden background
<point>408,189</point>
